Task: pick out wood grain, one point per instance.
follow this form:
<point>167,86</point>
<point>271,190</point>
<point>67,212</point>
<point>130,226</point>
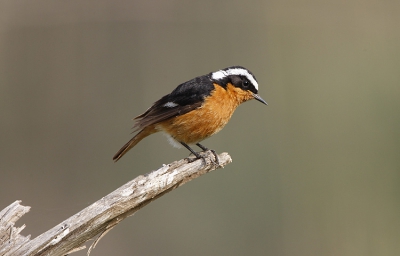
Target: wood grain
<point>100,217</point>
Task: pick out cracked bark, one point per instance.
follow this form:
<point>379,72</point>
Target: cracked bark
<point>100,217</point>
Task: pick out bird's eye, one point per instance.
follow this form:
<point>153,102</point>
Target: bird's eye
<point>246,83</point>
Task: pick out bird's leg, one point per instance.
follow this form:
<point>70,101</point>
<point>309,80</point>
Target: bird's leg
<point>202,147</point>
<point>198,156</point>
<point>212,151</point>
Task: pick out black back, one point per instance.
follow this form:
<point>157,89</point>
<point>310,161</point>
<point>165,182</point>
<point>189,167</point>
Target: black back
<point>183,99</point>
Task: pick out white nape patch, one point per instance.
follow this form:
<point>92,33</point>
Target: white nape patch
<point>236,72</point>
<point>170,104</point>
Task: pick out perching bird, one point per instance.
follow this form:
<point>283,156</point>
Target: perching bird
<point>196,109</point>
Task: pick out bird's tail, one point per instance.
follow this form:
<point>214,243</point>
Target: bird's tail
<point>135,140</point>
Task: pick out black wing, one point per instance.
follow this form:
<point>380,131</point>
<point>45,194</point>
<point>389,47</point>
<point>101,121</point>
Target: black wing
<point>185,98</point>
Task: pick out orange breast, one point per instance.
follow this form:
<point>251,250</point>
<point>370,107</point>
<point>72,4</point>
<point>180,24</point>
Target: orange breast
<point>207,120</point>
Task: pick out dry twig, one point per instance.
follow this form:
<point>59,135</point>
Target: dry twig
<point>100,217</point>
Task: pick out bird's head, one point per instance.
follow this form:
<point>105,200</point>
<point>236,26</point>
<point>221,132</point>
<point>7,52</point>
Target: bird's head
<point>240,81</point>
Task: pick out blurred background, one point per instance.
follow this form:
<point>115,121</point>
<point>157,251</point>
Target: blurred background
<point>317,172</point>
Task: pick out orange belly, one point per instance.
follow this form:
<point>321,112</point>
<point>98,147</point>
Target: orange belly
<point>205,121</point>
<point>194,126</point>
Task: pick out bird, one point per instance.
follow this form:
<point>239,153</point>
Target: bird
<point>195,110</point>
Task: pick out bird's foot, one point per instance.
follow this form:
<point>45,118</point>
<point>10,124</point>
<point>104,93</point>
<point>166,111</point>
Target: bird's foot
<point>203,155</point>
<point>216,159</point>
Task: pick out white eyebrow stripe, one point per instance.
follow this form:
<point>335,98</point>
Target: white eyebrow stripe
<point>170,104</point>
<point>235,71</point>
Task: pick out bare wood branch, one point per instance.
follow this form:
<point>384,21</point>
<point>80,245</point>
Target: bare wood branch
<point>100,217</point>
<point>9,235</point>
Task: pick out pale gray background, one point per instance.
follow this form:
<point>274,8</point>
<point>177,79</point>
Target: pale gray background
<point>314,173</point>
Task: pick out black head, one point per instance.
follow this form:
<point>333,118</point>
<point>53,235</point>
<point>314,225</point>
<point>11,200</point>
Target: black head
<point>239,77</point>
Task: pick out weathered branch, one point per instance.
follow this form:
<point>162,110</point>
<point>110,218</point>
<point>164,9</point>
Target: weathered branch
<point>10,239</point>
<point>100,217</point>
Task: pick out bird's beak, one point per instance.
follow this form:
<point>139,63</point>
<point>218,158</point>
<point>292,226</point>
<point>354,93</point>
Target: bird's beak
<point>257,97</point>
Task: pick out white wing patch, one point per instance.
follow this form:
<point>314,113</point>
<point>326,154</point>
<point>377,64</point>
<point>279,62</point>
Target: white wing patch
<point>235,71</point>
<point>170,104</point>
